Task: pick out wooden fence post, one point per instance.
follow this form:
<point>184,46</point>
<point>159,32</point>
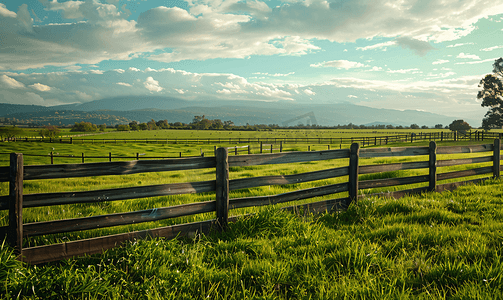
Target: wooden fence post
<point>109,156</point>
<point>261,145</point>
<point>433,166</point>
<point>496,158</point>
<point>82,157</point>
<point>222,187</point>
<point>353,172</point>
<point>249,149</point>
<point>271,147</point>
<point>15,228</point>
<point>281,146</point>
<point>52,158</point>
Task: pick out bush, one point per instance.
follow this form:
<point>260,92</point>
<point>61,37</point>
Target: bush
<point>84,127</point>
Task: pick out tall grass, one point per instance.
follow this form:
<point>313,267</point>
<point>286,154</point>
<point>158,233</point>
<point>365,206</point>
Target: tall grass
<point>430,246</point>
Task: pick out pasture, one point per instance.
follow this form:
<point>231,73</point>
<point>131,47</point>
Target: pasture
<point>378,248</point>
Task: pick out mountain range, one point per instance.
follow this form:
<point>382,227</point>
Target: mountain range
<point>121,110</point>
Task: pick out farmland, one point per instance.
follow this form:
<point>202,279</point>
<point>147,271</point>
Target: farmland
<point>272,254</point>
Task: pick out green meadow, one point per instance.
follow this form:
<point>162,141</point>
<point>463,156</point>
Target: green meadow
<point>430,246</point>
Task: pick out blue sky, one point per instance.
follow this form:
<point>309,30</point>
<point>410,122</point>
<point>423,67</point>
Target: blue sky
<point>404,54</point>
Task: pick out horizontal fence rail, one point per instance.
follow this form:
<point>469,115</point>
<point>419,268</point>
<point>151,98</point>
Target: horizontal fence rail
<point>354,185</point>
<point>363,141</point>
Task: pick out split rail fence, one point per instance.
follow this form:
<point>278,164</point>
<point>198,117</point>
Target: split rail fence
<point>364,141</point>
<point>17,173</point>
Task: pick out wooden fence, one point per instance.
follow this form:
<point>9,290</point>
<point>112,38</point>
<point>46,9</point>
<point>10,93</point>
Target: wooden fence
<point>17,173</point>
<point>363,141</point>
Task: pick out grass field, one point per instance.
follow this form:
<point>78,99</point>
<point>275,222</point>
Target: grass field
<point>415,246</point>
<point>432,246</point>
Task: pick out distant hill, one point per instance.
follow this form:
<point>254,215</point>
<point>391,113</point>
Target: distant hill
<point>122,110</point>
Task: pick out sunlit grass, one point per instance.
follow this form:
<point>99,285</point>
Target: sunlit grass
<point>430,246</point>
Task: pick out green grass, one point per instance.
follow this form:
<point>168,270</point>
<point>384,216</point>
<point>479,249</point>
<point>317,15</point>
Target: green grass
<point>380,248</point>
<point>430,246</point>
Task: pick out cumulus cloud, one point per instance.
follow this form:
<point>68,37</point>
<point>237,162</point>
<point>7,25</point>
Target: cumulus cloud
<point>440,61</point>
<point>227,29</point>
<point>124,84</point>
<point>339,64</point>
<point>11,83</point>
<point>40,87</point>
<point>152,85</point>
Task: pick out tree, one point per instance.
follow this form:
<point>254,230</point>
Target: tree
<point>459,125</point>
<point>49,131</point>
<point>143,126</point>
<point>123,127</point>
<point>10,132</point>
<point>134,125</point>
<point>102,127</point>
<point>414,126</point>
<point>84,127</point>
<point>492,96</point>
<point>424,127</point>
<point>439,126</point>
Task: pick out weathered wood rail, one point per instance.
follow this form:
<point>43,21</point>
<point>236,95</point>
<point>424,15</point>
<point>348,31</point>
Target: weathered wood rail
<point>17,173</point>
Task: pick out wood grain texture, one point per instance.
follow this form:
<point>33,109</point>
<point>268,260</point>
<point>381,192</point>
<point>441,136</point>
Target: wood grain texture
<point>367,184</point>
<point>286,197</point>
<point>464,149</point>
<point>245,183</point>
<point>15,230</point>
<point>396,151</point>
<point>465,173</point>
<point>116,168</point>
<point>464,161</point>
<point>148,215</point>
<point>48,199</point>
<point>222,187</point>
<point>286,157</point>
<point>368,169</point>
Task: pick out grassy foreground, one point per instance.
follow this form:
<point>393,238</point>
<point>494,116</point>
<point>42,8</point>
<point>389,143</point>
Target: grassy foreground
<point>431,246</point>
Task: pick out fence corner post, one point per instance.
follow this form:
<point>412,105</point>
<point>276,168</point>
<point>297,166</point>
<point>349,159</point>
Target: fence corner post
<point>15,228</point>
<point>354,156</point>
<point>222,187</point>
<point>432,166</point>
<point>496,158</point>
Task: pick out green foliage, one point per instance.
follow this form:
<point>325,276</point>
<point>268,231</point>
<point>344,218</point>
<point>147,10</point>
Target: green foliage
<point>459,125</point>
<point>84,127</point>
<point>50,132</point>
<point>123,127</point>
<point>102,127</point>
<point>10,132</point>
<point>492,96</point>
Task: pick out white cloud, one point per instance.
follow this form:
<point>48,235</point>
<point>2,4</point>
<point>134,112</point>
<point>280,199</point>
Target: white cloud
<point>459,45</point>
<point>124,84</point>
<point>405,71</point>
<point>377,46</point>
<point>152,85</point>
<point>309,92</point>
<point>491,48</point>
<point>352,96</point>
<point>227,29</point>
<point>440,61</point>
<point>40,87</point>
<point>340,64</point>
<point>467,56</point>
<point>11,82</point>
